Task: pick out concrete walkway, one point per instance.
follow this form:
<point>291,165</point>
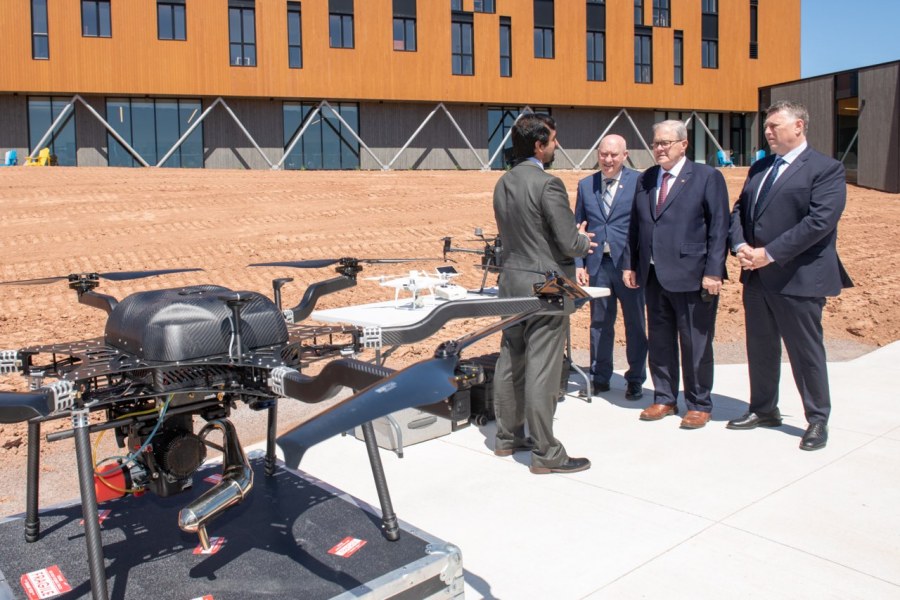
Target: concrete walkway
<point>665,512</point>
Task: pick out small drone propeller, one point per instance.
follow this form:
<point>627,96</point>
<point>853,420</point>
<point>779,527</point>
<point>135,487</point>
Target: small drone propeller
<point>423,383</point>
<point>327,262</point>
<point>111,276</point>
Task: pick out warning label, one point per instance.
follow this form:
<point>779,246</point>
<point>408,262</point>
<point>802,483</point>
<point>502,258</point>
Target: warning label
<point>46,583</point>
<point>347,546</point>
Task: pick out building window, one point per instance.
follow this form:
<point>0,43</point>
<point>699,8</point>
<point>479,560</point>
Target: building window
<point>543,28</point>
<point>295,36</point>
<point>505,47</point>
<point>500,120</point>
<point>405,25</point>
<point>709,50</point>
<point>754,29</point>
<point>638,12</point>
<point>456,5</point>
<point>485,6</point>
<point>326,142</point>
<point>40,40</point>
<point>170,20</point>
<point>42,112</point>
<point>709,44</point>
<point>643,55</point>
<point>242,32</point>
<point>661,13</point>
<point>596,40</point>
<point>462,46</point>
<point>340,23</point>
<point>95,19</point>
<point>679,57</point>
<point>152,127</point>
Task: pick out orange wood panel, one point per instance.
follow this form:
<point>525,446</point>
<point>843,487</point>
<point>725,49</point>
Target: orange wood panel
<point>134,62</point>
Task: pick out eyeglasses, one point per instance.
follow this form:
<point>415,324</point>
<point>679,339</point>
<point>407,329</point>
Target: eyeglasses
<point>664,144</point>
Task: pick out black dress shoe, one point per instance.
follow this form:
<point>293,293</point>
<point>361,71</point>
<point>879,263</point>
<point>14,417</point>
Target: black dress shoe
<point>815,438</point>
<point>572,465</point>
<point>751,420</point>
<point>634,391</point>
<point>600,387</point>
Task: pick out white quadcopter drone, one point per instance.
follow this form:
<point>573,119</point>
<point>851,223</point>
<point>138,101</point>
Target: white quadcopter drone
<point>425,287</point>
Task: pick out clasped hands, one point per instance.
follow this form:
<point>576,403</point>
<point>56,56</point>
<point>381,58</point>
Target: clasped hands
<point>752,258</point>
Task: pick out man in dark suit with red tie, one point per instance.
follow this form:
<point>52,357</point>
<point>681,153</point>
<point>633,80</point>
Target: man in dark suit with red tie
<point>784,230</point>
<point>604,201</point>
<point>677,247</point>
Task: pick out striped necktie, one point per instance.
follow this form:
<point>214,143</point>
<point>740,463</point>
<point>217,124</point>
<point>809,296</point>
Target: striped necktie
<point>608,196</point>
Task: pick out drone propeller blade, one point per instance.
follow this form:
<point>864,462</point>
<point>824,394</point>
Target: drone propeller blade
<point>423,383</point>
<point>126,275</point>
<point>111,276</point>
<point>374,261</point>
<point>40,281</point>
<point>300,264</point>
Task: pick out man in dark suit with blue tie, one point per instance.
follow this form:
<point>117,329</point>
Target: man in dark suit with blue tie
<point>676,251</point>
<point>784,231</point>
<point>604,200</point>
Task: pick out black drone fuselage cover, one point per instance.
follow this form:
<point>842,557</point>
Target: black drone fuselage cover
<point>191,323</point>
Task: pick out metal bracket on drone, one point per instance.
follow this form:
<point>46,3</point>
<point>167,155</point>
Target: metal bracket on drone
<point>84,284</point>
<point>348,269</point>
<point>10,362</point>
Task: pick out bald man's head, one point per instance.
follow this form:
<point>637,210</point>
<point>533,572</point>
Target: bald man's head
<point>611,155</point>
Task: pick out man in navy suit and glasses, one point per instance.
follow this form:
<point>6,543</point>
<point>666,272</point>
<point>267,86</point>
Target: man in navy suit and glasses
<point>676,250</point>
<point>604,201</point>
<point>784,231</point>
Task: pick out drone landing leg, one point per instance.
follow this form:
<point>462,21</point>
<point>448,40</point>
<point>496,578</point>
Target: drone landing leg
<point>390,527</point>
<point>32,478</point>
<point>80,422</point>
<point>271,434</point>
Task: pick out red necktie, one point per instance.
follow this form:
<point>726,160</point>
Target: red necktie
<point>663,192</point>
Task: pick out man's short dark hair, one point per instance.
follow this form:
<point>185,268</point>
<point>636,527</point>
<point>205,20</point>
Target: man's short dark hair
<point>530,128</point>
<point>795,109</point>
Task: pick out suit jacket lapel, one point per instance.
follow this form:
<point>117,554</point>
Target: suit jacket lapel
<point>676,186</point>
<point>788,172</point>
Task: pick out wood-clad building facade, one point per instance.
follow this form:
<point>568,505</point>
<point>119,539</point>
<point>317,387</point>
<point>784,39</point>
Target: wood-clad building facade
<point>383,66</point>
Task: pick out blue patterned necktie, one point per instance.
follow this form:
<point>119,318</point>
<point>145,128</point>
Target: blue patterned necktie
<point>608,196</point>
<point>767,185</point>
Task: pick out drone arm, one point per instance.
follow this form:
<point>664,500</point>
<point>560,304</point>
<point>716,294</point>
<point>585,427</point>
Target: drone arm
<point>337,374</point>
<point>423,383</point>
<point>16,407</point>
<point>96,300</point>
<point>313,293</point>
<point>462,309</point>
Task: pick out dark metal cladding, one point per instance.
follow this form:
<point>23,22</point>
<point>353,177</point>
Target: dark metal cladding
<point>190,323</point>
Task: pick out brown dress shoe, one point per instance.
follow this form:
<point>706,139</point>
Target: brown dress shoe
<point>655,412</point>
<point>694,419</point>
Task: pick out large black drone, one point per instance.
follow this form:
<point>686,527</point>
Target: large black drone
<point>168,356</point>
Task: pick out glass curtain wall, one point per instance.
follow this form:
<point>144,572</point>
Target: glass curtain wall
<point>42,111</point>
<point>326,143</point>
<point>152,127</point>
<point>500,121</point>
<point>701,149</point>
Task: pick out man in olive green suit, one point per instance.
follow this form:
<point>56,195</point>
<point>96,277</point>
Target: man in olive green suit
<point>538,230</point>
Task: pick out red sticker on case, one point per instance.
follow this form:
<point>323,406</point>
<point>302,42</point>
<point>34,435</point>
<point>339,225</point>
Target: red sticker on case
<point>46,583</point>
